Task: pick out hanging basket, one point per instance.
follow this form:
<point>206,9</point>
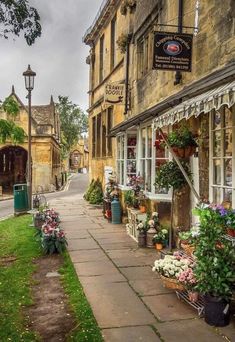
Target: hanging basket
<point>171,283</point>
<point>184,152</point>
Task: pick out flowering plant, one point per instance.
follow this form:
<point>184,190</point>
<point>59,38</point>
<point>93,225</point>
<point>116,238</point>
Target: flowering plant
<point>187,278</point>
<point>141,227</point>
<point>171,266</point>
<point>161,236</point>
<point>190,236</point>
<point>51,234</point>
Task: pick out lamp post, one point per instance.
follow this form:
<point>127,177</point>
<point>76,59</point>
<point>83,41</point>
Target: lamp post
<point>29,84</point>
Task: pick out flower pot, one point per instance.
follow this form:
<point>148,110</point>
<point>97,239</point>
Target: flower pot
<point>193,296</point>
<point>216,311</point>
<point>231,232</point>
<point>149,238</point>
<point>159,246</point>
<point>142,239</point>
<point>189,249</point>
<point>142,209</point>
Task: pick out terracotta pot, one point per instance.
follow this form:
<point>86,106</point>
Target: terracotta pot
<point>193,296</point>
<point>231,232</point>
<point>159,246</point>
<point>142,209</point>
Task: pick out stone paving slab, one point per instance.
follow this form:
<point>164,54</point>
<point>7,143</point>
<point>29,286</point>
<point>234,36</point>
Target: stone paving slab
<point>75,245</point>
<point>131,258</point>
<point>95,268</point>
<point>76,234</point>
<point>167,307</point>
<point>149,287</point>
<point>104,278</point>
<point>130,334</point>
<point>118,246</point>
<point>116,305</point>
<point>229,331</point>
<point>139,273</point>
<point>188,331</point>
<point>87,255</point>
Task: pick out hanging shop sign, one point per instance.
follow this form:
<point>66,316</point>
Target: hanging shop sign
<point>172,51</point>
<point>114,93</point>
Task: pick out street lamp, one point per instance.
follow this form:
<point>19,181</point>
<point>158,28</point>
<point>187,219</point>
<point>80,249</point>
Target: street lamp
<point>29,84</point>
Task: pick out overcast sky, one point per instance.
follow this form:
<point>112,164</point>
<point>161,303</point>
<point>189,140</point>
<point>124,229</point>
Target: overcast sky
<point>58,56</point>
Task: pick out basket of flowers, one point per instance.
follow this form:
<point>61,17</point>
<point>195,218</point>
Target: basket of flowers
<point>170,268</point>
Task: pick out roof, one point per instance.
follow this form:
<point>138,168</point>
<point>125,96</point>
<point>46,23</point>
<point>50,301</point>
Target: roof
<point>104,12</point>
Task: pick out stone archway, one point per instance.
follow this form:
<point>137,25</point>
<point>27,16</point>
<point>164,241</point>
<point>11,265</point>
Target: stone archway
<point>75,160</point>
<point>13,166</point>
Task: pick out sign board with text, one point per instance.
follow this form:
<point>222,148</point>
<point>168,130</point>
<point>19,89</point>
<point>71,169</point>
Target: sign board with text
<point>114,93</point>
<point>172,51</point>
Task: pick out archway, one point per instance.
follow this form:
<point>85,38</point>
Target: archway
<point>13,166</point>
<point>75,160</point>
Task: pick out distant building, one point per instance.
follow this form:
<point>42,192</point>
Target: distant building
<point>79,156</point>
<point>45,149</point>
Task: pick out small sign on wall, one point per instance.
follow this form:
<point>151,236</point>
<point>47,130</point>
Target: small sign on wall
<point>114,93</point>
<point>172,51</point>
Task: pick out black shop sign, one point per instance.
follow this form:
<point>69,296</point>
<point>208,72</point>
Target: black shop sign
<point>172,51</point>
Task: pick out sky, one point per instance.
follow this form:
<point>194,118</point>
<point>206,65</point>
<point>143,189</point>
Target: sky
<point>58,57</point>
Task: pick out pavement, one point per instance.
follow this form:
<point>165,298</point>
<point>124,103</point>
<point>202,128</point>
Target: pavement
<point>127,298</point>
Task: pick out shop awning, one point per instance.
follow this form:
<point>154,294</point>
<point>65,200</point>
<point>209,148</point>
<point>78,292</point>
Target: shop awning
<point>203,103</point>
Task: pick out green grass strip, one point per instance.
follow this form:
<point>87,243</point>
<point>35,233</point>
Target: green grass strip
<point>87,328</point>
<point>16,240</point>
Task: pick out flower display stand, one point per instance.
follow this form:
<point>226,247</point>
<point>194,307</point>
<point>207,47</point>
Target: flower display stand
<point>199,305</point>
<point>134,217</point>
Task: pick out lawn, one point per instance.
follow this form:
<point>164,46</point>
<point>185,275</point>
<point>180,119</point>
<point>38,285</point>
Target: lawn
<point>18,249</point>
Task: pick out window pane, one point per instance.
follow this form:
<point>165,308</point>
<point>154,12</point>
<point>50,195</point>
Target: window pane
<point>217,117</point>
<point>228,195</point>
<point>122,146</point>
<point>131,167</point>
<point>131,153</point>
<point>149,146</point>
<point>160,162</point>
<point>228,142</point>
<point>217,143</point>
<point>148,175</point>
<point>217,171</point>
<point>143,142</point>
<point>228,172</point>
<point>227,117</point>
<point>217,195</point>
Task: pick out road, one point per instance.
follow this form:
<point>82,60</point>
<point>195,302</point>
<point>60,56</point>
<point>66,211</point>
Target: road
<point>77,184</point>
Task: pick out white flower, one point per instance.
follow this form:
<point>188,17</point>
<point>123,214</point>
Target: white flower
<point>140,225</point>
<point>154,214</point>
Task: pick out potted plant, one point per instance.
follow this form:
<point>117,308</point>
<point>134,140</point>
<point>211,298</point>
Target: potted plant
<point>182,142</point>
<point>230,222</point>
<point>152,226</point>
<point>160,239</point>
<point>169,269</point>
<point>142,199</point>
<point>141,234</point>
<point>129,198</point>
<point>214,271</point>
<point>188,239</point>
<point>169,175</point>
<point>188,279</point>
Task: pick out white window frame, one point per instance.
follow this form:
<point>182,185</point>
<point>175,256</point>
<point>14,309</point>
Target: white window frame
<point>221,157</point>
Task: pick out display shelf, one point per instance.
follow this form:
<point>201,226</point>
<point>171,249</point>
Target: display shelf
<point>134,217</point>
<point>199,305</point>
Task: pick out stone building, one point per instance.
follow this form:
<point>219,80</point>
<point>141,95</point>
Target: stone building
<point>79,156</point>
<point>202,99</point>
<point>45,149</point>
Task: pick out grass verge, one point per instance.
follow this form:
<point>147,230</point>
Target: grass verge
<point>87,328</point>
<point>18,249</point>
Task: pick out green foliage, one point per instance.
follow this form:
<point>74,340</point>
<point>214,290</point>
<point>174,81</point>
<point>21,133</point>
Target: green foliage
<point>18,16</point>
<point>161,236</point>
<point>8,129</point>
<point>129,197</point>
<point>169,175</point>
<point>10,106</point>
<point>94,194</point>
<point>15,277</point>
<point>74,122</point>
<point>215,271</point>
<point>181,138</point>
<point>86,328</point>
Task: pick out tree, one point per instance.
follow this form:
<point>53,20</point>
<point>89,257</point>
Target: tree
<point>8,129</point>
<point>17,16</point>
<point>74,122</point>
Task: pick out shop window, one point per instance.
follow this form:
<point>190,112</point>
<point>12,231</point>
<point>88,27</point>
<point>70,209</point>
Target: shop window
<point>120,159</point>
<point>161,156</point>
<point>222,152</point>
<point>143,62</point>
<point>146,157</point>
<point>131,156</point>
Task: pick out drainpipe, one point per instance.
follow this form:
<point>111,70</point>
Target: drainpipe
<point>127,74</point>
<point>178,74</point>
